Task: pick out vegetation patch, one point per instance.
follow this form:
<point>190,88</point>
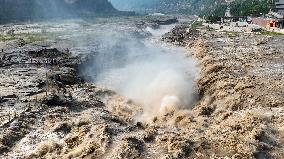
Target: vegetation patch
<point>7,37</point>
<point>251,7</point>
<point>32,37</point>
<point>270,33</point>
<point>28,37</point>
<point>196,24</point>
<point>232,34</point>
<point>239,8</point>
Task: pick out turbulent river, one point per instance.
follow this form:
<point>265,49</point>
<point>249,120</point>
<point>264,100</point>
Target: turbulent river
<point>135,63</point>
<point>112,88</point>
<point>148,78</point>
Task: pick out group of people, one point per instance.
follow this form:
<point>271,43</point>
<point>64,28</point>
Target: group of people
<point>45,61</point>
<point>2,55</point>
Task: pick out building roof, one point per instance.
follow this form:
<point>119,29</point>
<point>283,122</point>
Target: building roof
<point>276,15</point>
<point>279,4</point>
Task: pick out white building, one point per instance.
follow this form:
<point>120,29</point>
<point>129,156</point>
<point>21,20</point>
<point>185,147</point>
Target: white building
<point>280,6</point>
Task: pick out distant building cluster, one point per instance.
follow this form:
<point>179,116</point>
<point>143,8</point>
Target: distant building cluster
<point>272,19</point>
<point>280,7</point>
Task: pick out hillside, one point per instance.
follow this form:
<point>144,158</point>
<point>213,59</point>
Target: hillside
<point>189,6</point>
<point>251,7</point>
<point>197,7</point>
<point>168,6</point>
<point>14,10</point>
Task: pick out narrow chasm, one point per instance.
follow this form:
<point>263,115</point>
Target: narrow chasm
<point>156,76</point>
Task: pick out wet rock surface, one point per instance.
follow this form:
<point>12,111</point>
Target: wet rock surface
<point>182,35</point>
<point>155,21</point>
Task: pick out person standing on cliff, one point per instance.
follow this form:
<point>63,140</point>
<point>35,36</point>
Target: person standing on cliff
<point>2,57</point>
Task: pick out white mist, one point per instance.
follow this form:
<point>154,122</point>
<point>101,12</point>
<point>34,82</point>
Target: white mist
<point>161,79</point>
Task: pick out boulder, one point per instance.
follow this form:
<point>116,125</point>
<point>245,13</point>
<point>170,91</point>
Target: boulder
<point>65,76</point>
<point>55,100</point>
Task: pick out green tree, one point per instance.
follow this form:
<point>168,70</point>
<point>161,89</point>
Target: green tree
<point>251,7</point>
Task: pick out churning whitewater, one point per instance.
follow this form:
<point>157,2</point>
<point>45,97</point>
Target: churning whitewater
<point>154,75</point>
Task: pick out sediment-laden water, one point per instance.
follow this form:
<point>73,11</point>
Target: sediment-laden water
<point>130,77</point>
